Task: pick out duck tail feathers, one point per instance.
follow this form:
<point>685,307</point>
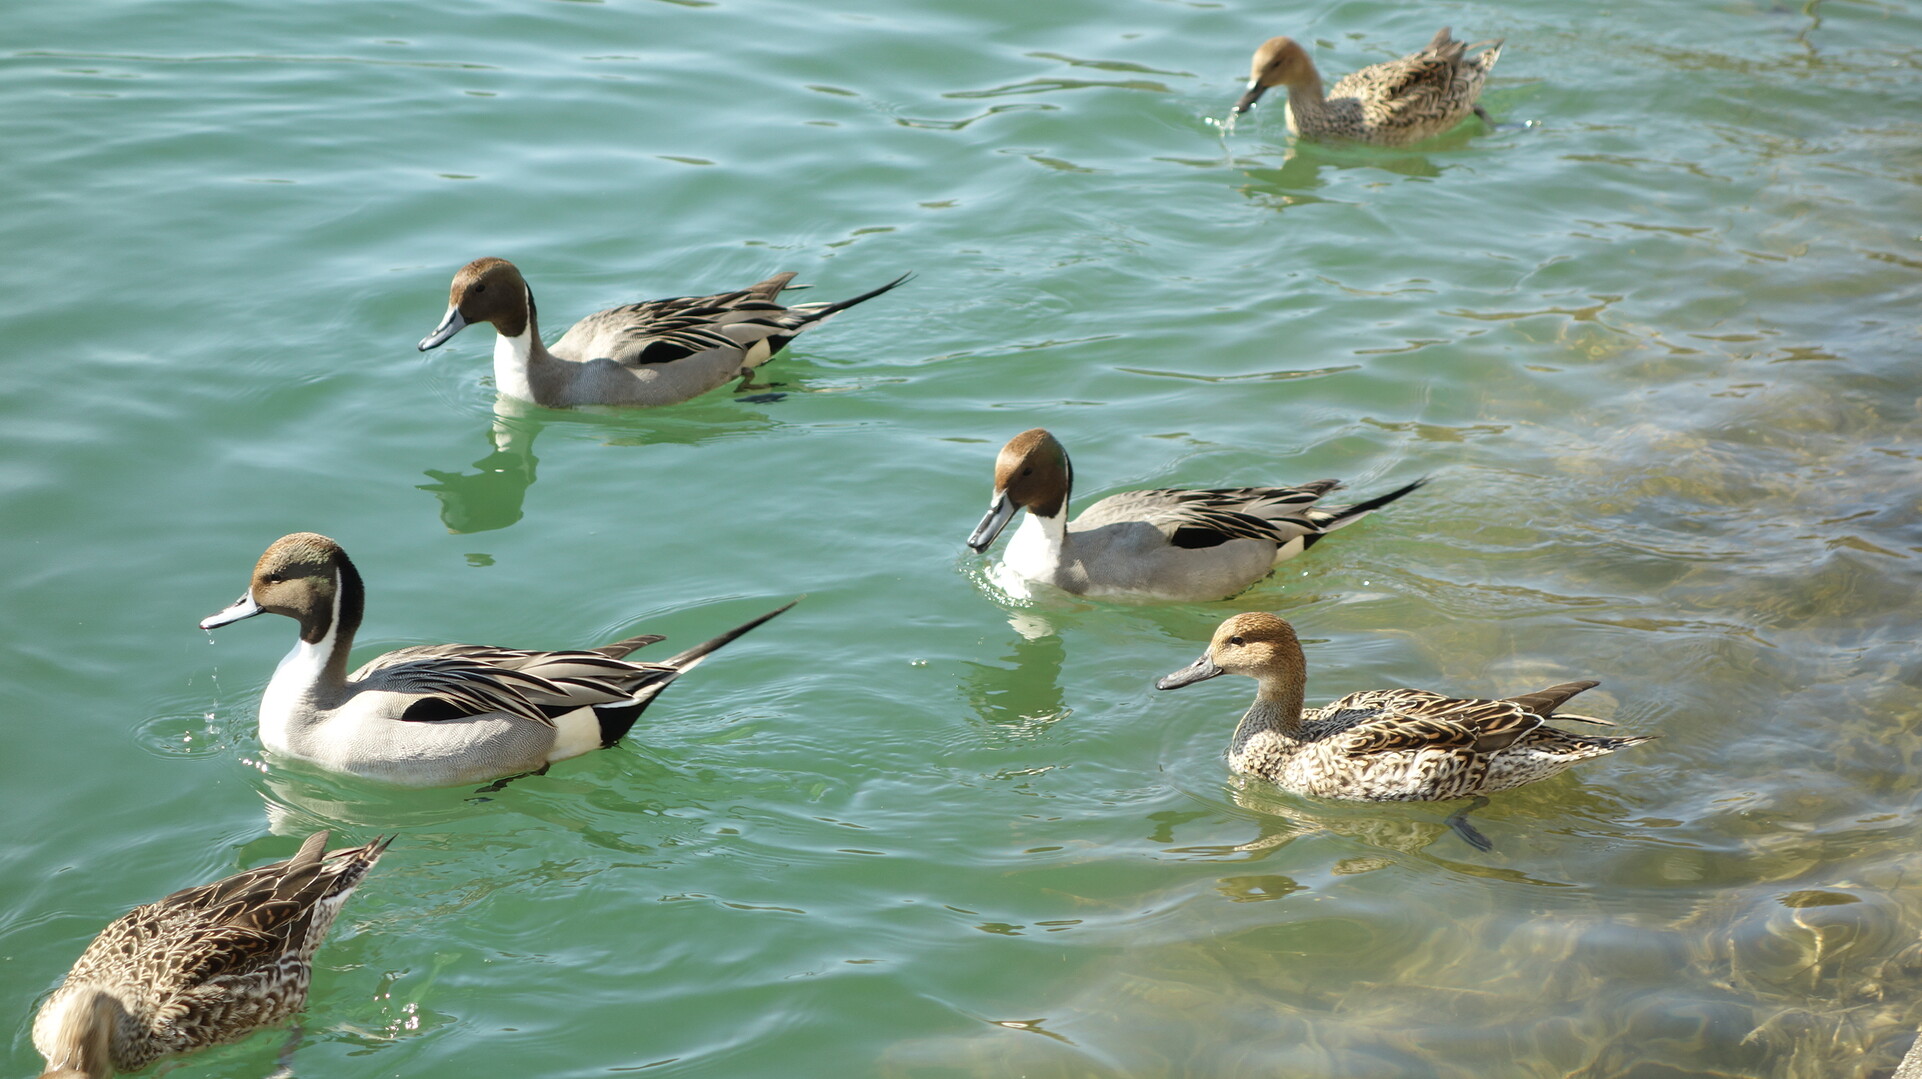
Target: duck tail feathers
<point>1347,515</point>
<point>1543,702</point>
<point>618,718</point>
<point>817,312</point>
<point>620,649</point>
<point>687,660</point>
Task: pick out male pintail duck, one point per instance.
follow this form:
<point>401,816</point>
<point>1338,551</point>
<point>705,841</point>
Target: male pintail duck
<point>1385,745</point>
<point>203,966</point>
<point>434,715</point>
<point>657,352</point>
<point>1389,104</point>
<point>1163,544</point>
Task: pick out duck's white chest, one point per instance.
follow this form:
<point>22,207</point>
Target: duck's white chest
<point>1032,554</point>
<point>511,355</point>
<point>287,706</point>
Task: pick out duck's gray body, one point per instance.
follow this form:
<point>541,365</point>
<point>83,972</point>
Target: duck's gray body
<point>1130,545</point>
<point>1166,544</point>
<point>657,352</point>
<point>436,715</point>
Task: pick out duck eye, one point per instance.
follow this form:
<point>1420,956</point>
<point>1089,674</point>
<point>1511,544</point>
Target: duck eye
<point>274,578</point>
<point>480,287</point>
<point>1236,640</point>
<point>1028,471</point>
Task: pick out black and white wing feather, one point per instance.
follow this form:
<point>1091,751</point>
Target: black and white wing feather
<point>1212,517</point>
<point>457,681</point>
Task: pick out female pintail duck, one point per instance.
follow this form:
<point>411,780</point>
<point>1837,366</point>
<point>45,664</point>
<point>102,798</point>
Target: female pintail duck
<point>657,352</point>
<point>203,966</point>
<point>1163,544</point>
<point>440,714</point>
<point>1388,104</point>
<point>1385,745</point>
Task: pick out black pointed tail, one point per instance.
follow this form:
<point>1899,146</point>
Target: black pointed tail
<point>1350,514</point>
<point>617,719</point>
<point>842,305</point>
<point>686,660</point>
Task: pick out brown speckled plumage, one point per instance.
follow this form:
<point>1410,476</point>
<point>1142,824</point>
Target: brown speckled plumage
<point>200,967</point>
<point>1389,745</point>
<point>1393,103</point>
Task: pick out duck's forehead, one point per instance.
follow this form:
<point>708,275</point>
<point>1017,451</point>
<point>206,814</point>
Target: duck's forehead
<point>1272,50</point>
<point>1021,449</point>
<point>299,549</point>
<point>1254,624</point>
<point>483,271</point>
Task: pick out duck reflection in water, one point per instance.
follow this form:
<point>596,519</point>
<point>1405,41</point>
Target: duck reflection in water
<point>1022,694</point>
<point>1300,177</point>
<point>491,498</point>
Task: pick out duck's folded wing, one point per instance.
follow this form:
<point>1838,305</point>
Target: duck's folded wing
<point>1421,83</point>
<point>241,922</point>
<point>1210,518</point>
<point>451,682</point>
<point>1408,720</point>
<point>662,331</point>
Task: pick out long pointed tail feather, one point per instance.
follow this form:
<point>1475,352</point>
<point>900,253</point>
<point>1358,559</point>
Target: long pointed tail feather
<point>688,659</point>
<point>816,314</point>
<point>618,718</point>
<point>1347,515</point>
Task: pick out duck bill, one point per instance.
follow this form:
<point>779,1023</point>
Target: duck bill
<point>452,324</point>
<point>1199,671</point>
<point>1000,512</point>
<point>244,607</point>
<point>1247,100</point>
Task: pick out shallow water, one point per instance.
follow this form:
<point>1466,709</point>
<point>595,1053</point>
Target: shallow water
<point>1653,337</point>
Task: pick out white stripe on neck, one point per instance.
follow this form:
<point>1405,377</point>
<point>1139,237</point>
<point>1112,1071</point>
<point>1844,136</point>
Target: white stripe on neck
<point>511,357</point>
<point>1034,551</point>
<point>289,703</point>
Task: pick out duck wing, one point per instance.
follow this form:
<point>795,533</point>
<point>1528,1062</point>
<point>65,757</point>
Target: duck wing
<point>1212,517</point>
<point>459,681</point>
<point>244,922</point>
<point>662,331</point>
<point>1405,720</point>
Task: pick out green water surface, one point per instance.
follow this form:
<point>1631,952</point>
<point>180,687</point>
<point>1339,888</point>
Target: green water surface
<point>1654,337</point>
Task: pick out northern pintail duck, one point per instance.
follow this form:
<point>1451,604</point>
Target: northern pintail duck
<point>434,715</point>
<point>203,966</point>
<point>1385,745</point>
<point>1163,544</point>
<point>1389,104</point>
<point>657,352</point>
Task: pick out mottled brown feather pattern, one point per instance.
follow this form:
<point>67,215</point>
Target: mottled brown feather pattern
<point>1383,745</point>
<point>204,965</point>
<point>1392,103</point>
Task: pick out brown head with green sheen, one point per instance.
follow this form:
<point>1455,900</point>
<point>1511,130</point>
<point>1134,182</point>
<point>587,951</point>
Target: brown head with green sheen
<point>485,290</point>
<point>306,577</point>
<point>1031,474</point>
<point>1257,644</point>
<point>1279,62</point>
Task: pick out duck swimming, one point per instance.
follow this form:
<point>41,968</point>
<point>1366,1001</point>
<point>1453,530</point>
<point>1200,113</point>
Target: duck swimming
<point>1386,745</point>
<point>1166,544</point>
<point>200,967</point>
<point>1393,103</point>
<point>657,352</point>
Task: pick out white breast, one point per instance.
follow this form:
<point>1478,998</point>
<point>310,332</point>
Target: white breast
<point>510,363</point>
<point>1031,553</point>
